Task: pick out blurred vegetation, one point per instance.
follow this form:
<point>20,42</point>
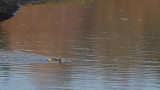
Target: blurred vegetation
<point>46,2</point>
<point>57,2</point>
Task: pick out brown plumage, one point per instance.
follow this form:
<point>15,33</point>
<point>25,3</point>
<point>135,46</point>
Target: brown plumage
<point>54,59</point>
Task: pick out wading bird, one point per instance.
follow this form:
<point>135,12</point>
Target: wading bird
<point>50,59</point>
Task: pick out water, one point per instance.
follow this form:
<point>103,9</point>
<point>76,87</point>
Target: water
<point>109,45</point>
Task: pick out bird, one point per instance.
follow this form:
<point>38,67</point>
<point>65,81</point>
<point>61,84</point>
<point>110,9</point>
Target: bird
<point>50,59</point>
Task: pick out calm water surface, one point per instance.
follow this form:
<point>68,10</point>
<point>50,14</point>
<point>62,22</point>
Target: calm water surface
<point>111,45</point>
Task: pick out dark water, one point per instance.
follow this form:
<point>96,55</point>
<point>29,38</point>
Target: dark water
<point>111,45</point>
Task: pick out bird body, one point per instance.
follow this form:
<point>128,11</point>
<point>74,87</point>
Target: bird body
<point>50,59</point>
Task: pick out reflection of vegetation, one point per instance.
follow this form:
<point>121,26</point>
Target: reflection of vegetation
<point>4,73</point>
<point>4,66</point>
<point>7,10</point>
<point>3,44</point>
<point>46,2</point>
<point>3,41</point>
<point>56,2</point>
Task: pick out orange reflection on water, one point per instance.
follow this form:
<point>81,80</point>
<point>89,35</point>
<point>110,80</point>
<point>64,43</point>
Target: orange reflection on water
<point>108,41</point>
